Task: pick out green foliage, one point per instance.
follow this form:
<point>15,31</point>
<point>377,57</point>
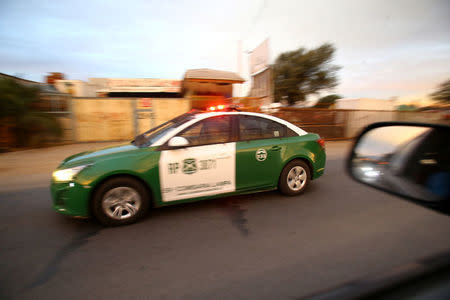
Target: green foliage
<point>302,72</point>
<point>442,94</point>
<point>405,107</point>
<point>16,107</point>
<point>327,101</point>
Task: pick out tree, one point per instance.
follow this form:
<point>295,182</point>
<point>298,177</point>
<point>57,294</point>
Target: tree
<point>302,72</point>
<point>327,101</point>
<point>443,92</point>
<point>28,125</point>
<point>407,107</point>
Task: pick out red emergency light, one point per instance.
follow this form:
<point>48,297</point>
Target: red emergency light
<point>218,107</point>
<point>222,107</point>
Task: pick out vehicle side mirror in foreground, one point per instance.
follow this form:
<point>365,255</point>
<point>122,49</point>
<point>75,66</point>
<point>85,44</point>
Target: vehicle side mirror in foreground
<point>178,141</point>
<point>410,160</point>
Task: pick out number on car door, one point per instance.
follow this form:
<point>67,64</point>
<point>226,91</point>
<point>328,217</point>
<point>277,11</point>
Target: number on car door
<point>205,167</point>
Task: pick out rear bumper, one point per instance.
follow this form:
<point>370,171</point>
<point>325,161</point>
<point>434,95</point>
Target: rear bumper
<point>319,165</point>
<point>70,198</point>
<point>318,173</point>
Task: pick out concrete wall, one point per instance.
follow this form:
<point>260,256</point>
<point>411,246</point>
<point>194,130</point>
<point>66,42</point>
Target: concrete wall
<point>358,119</point>
<point>166,109</point>
<point>114,119</point>
<point>103,119</point>
<point>364,104</point>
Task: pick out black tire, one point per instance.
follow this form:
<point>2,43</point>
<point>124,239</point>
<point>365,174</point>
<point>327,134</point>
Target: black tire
<point>124,191</point>
<point>287,187</point>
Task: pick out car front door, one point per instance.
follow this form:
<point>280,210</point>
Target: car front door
<point>259,151</point>
<point>205,167</point>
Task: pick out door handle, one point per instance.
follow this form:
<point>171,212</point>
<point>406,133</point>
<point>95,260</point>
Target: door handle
<point>275,148</point>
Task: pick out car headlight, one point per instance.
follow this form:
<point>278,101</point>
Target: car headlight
<point>68,174</point>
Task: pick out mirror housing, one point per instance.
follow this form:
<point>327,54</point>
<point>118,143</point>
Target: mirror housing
<point>178,141</point>
<point>410,160</point>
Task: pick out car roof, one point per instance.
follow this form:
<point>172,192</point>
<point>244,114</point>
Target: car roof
<point>299,131</point>
<point>198,116</point>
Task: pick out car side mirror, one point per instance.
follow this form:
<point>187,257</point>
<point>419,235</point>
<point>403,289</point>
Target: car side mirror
<point>410,160</point>
<point>178,141</point>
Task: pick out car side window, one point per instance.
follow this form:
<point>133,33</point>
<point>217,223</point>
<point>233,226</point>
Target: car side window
<point>254,128</point>
<point>214,130</point>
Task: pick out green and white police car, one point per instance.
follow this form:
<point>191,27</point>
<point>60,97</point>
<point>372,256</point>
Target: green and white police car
<point>195,156</point>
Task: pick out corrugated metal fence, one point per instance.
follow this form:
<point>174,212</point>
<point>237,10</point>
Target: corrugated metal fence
<point>344,124</point>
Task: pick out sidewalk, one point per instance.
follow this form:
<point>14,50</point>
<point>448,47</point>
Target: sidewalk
<point>33,168</point>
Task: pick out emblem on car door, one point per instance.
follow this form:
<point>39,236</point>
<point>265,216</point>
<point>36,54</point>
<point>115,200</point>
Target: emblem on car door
<point>261,155</point>
<point>189,166</point>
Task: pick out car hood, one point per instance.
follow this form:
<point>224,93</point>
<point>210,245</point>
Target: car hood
<point>95,154</point>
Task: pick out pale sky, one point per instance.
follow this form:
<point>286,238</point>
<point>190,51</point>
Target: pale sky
<point>386,48</point>
<point>384,140</point>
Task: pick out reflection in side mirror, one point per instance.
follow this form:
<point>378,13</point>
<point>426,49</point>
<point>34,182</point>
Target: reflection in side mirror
<point>178,141</point>
<point>412,161</point>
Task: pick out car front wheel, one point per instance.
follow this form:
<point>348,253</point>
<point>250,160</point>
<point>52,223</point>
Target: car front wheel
<point>120,201</point>
<point>294,178</point>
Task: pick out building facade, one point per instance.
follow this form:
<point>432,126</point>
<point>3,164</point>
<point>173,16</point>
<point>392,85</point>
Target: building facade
<point>261,73</point>
<point>207,87</point>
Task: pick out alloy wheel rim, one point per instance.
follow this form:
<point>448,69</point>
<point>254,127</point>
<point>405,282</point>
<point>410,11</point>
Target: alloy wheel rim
<point>296,178</point>
<point>121,203</point>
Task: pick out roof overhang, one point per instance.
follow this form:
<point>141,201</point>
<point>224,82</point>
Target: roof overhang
<point>213,80</point>
<point>143,89</point>
<point>210,75</point>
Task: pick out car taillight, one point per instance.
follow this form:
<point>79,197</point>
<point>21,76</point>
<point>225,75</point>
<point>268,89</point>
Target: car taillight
<point>321,142</point>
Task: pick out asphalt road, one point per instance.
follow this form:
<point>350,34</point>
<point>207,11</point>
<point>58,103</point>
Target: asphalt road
<point>260,246</point>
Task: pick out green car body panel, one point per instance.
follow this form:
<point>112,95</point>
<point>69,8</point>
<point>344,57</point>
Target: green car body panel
<point>252,174</point>
<point>73,198</point>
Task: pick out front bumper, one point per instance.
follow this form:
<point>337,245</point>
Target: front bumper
<point>70,198</point>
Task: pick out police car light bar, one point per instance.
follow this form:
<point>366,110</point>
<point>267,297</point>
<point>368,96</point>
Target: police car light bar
<point>222,107</point>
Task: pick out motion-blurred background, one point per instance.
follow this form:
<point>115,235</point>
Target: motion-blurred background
<point>90,71</point>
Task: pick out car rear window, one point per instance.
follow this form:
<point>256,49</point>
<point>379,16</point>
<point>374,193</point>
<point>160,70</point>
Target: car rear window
<point>255,128</point>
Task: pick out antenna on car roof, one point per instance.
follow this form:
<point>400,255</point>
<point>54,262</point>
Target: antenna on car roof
<point>233,107</point>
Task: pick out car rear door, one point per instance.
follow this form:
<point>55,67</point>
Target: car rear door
<point>205,167</point>
<point>259,152</point>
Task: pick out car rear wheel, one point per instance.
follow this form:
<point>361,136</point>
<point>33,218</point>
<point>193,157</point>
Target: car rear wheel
<point>294,178</point>
<point>120,201</point>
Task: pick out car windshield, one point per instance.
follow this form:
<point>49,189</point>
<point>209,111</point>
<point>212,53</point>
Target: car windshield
<point>149,137</point>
